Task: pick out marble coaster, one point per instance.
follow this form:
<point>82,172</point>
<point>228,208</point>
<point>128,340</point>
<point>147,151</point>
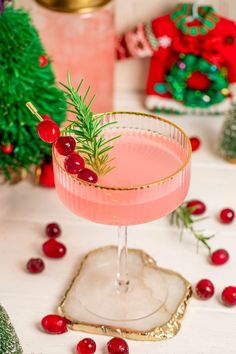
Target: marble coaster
<point>164,323</point>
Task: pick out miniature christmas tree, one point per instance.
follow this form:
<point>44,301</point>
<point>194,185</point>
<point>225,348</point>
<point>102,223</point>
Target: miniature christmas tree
<point>228,136</point>
<point>26,75</point>
<point>9,342</point>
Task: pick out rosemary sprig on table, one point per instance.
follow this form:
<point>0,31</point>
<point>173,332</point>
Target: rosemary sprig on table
<point>88,130</point>
<point>183,219</point>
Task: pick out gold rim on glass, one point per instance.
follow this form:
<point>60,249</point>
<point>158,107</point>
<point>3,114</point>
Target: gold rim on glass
<point>131,187</point>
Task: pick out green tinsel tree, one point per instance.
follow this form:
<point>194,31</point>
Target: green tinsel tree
<point>228,136</point>
<point>9,342</point>
<point>26,75</point>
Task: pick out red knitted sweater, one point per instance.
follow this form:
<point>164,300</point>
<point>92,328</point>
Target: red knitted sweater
<point>169,38</point>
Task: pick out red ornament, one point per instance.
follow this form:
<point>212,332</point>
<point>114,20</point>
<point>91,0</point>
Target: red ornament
<point>35,265</point>
<point>88,175</point>
<point>73,163</point>
<point>195,143</point>
<point>43,61</point>
<point>226,216</point>
<point>48,131</point>
<point>54,324</point>
<point>228,296</point>
<point>205,289</point>
<point>86,346</point>
<point>219,257</point>
<point>46,176</point>
<point>7,149</point>
<point>65,145</point>
<point>197,206</point>
<point>53,230</point>
<point>117,346</point>
<point>54,249</point>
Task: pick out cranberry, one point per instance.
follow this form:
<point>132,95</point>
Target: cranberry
<point>219,257</point>
<point>54,324</point>
<point>196,207</point>
<point>7,149</point>
<point>205,289</point>
<point>117,346</point>
<point>86,346</point>
<point>54,249</point>
<point>43,61</point>
<point>195,143</point>
<point>46,117</point>
<point>73,163</point>
<point>88,175</point>
<point>226,216</point>
<point>228,296</point>
<point>65,145</point>
<point>48,131</point>
<point>35,265</point>
<point>53,230</point>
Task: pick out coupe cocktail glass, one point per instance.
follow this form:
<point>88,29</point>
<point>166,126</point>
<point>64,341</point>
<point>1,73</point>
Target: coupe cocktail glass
<point>150,179</point>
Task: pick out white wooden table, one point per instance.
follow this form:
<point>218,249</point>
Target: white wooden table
<point>25,209</point>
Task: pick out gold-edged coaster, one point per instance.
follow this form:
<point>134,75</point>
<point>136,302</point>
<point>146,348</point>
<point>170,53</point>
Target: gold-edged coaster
<point>162,324</point>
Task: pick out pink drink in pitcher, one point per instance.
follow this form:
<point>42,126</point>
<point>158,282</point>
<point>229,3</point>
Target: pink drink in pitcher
<point>82,43</point>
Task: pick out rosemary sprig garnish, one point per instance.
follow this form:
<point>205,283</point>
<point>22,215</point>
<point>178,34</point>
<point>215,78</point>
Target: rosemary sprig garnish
<point>88,130</point>
<point>183,219</point>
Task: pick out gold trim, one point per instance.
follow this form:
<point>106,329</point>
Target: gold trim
<point>166,331</point>
<point>163,180</point>
<point>80,6</point>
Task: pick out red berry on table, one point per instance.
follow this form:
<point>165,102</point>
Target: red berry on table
<point>46,117</point>
<point>196,207</point>
<point>35,265</point>
<point>117,346</point>
<point>48,131</point>
<point>54,249</point>
<point>219,257</point>
<point>228,296</point>
<point>205,289</point>
<point>54,324</point>
<point>7,149</point>
<point>86,346</point>
<point>74,163</point>
<point>226,216</point>
<point>65,145</point>
<point>53,230</point>
<point>195,143</point>
<point>88,175</point>
<point>43,61</point>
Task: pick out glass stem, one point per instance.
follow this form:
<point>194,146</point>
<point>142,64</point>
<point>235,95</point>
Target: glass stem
<point>122,281</point>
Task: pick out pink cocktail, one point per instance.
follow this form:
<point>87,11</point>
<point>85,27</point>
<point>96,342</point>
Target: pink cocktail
<point>150,178</point>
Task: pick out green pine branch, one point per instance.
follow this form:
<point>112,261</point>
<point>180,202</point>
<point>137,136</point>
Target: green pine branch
<point>88,130</point>
<point>182,218</point>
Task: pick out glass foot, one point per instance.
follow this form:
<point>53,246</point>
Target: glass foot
<point>152,308</point>
<point>98,293</point>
